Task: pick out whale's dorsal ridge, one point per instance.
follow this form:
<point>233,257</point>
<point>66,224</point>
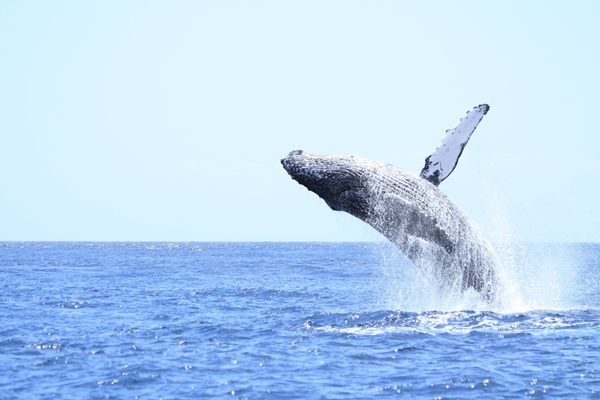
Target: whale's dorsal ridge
<point>440,164</point>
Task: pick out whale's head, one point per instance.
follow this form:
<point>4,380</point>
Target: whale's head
<point>339,180</point>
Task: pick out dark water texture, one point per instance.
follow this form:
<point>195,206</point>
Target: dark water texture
<point>285,321</point>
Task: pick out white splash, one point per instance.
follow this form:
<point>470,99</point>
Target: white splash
<point>530,276</point>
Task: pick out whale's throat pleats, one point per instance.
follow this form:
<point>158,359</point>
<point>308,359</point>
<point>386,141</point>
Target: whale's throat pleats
<point>346,192</point>
<point>412,221</point>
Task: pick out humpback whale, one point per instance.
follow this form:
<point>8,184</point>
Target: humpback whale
<point>409,210</point>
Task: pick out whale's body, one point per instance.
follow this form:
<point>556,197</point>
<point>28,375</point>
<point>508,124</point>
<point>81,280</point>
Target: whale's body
<point>409,210</point>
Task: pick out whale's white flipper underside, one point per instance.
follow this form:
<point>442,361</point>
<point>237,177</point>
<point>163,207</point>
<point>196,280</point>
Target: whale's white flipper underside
<point>440,164</point>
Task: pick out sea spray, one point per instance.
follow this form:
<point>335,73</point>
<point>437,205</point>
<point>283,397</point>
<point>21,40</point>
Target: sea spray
<point>529,277</point>
<point>509,290</point>
<point>532,276</point>
<point>405,287</point>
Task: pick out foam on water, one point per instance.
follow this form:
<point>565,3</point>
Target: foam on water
<point>453,323</point>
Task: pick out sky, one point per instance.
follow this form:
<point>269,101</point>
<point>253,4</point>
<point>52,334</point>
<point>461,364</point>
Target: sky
<point>166,120</point>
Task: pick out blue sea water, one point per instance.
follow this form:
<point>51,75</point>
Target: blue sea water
<point>290,321</point>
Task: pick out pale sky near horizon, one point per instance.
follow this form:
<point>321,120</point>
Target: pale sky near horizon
<point>167,120</point>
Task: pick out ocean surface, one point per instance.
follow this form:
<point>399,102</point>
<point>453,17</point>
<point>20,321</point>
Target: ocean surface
<point>291,321</point>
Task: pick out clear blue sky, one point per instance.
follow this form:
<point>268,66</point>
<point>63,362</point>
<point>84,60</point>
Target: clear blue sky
<point>166,120</point>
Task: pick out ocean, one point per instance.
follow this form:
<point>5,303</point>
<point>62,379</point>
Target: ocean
<point>141,320</point>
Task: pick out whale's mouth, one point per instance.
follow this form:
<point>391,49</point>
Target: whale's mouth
<point>306,168</point>
<point>332,178</point>
<point>302,168</point>
<point>310,170</point>
<point>291,160</point>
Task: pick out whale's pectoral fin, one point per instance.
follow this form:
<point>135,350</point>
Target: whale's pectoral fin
<point>413,221</point>
<point>440,164</point>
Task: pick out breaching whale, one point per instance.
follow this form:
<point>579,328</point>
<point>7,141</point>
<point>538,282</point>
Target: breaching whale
<point>407,209</point>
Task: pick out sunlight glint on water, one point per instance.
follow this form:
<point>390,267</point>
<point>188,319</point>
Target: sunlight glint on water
<point>284,320</point>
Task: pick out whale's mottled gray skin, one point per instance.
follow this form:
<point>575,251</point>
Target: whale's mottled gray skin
<point>407,209</point>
